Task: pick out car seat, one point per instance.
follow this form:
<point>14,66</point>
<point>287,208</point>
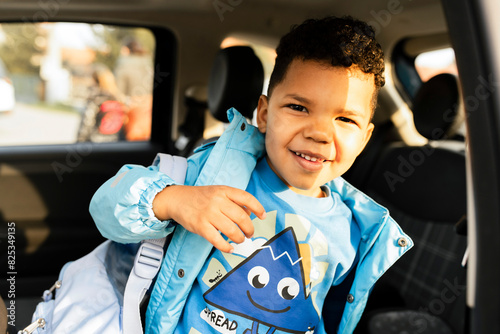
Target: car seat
<point>236,80</point>
<point>424,188</point>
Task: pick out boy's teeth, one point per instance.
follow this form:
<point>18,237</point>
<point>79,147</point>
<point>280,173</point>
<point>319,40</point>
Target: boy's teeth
<point>308,157</point>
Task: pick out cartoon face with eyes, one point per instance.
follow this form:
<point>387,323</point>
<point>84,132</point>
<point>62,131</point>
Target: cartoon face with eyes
<point>269,288</point>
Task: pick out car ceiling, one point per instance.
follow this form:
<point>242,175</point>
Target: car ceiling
<point>267,16</point>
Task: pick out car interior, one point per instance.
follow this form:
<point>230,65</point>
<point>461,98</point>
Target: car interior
<point>433,159</point>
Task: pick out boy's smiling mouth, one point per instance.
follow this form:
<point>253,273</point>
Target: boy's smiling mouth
<point>311,156</point>
<point>310,162</point>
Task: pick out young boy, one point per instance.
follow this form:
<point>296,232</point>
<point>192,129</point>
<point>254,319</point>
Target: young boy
<point>286,227</point>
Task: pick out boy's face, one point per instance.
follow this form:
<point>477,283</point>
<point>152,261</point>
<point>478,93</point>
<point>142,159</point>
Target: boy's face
<point>317,121</point>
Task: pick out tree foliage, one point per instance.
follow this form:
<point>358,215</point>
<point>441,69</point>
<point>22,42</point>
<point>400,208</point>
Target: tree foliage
<point>21,48</point>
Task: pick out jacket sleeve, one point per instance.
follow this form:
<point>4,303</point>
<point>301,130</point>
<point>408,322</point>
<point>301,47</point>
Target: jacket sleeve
<point>122,207</point>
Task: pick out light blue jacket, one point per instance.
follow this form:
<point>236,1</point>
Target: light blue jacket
<point>122,210</point>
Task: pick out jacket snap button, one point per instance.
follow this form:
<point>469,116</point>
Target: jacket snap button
<point>350,298</point>
<point>402,242</point>
<point>180,273</point>
<point>243,126</point>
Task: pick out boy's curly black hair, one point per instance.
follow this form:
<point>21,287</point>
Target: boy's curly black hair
<point>343,42</point>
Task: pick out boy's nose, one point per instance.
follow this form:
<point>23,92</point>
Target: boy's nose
<point>320,130</point>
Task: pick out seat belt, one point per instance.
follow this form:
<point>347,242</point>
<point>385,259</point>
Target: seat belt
<point>150,254</point>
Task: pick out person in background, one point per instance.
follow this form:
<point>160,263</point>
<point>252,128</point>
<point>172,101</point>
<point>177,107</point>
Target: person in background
<point>134,77</point>
<point>105,115</point>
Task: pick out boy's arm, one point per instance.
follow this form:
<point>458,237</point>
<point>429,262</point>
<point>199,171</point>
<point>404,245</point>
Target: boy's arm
<point>140,203</point>
<point>122,206</point>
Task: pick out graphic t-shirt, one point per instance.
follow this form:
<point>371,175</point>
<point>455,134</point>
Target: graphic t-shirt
<point>275,282</point>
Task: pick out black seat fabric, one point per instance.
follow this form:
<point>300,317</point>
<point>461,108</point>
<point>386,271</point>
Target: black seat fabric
<point>236,80</point>
<point>425,182</point>
<point>424,190</point>
<point>429,278</point>
<point>407,321</point>
<point>436,106</point>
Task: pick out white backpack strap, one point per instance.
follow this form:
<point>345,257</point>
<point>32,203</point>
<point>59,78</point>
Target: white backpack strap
<point>150,255</point>
<point>146,265</point>
<point>174,166</point>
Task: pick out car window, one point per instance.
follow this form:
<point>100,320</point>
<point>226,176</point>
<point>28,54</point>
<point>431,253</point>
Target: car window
<point>413,67</point>
<point>438,65</point>
<point>432,63</point>
<point>64,83</point>
<point>427,79</point>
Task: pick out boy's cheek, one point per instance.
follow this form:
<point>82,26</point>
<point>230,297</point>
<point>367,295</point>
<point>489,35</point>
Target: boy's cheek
<point>278,125</point>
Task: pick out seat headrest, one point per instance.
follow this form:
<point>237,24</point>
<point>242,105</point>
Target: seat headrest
<point>435,106</point>
<point>236,80</point>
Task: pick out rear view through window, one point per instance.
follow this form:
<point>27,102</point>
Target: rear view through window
<point>63,83</point>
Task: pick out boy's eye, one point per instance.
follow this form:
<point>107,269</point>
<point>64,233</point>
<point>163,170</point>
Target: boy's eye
<point>346,120</point>
<point>297,107</point>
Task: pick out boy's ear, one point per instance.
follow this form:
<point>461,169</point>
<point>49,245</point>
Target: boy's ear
<point>368,135</point>
<point>262,113</point>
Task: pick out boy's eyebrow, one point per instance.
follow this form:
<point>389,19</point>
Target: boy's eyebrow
<point>299,98</point>
<point>353,113</point>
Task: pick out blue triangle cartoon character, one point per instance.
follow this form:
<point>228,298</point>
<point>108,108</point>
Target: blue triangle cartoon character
<point>269,288</point>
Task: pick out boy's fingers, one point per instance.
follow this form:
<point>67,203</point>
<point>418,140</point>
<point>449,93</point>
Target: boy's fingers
<point>214,237</point>
<point>232,228</point>
<point>239,220</point>
<point>248,201</point>
<point>247,211</point>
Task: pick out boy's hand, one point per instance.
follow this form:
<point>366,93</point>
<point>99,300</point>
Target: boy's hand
<point>206,210</point>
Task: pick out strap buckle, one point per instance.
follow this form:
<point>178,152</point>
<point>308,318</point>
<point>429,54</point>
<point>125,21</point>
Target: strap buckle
<point>148,260</point>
